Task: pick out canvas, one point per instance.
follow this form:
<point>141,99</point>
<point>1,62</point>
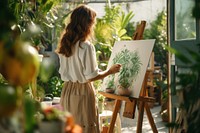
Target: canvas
<point>134,57</point>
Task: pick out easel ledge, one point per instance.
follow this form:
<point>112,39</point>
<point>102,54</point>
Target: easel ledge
<point>141,102</point>
<point>125,98</point>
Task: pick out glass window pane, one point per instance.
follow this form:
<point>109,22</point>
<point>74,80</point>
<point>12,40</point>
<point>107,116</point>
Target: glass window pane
<point>185,24</point>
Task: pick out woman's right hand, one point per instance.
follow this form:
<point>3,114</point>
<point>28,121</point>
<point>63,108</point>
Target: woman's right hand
<point>115,68</point>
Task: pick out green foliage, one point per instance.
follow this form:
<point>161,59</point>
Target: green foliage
<point>185,24</point>
<point>30,109</point>
<point>7,18</point>
<point>196,9</point>
<point>47,68</point>
<point>110,28</point>
<point>100,97</point>
<point>158,31</point>
<point>164,86</point>
<point>97,84</point>
<point>120,24</point>
<point>188,85</point>
<point>111,13</point>
<point>52,114</point>
<point>37,21</point>
<point>130,28</point>
<point>2,80</point>
<point>53,86</point>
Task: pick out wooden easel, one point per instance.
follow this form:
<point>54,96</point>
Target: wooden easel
<point>139,31</point>
<point>129,110</point>
<point>131,103</point>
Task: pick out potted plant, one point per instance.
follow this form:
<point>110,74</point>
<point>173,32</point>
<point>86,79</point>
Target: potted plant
<point>110,88</point>
<point>52,120</point>
<point>131,65</point>
<point>100,102</point>
<point>105,126</point>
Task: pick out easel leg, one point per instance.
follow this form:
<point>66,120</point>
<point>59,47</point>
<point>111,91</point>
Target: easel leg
<point>150,118</point>
<point>114,116</point>
<point>140,116</point>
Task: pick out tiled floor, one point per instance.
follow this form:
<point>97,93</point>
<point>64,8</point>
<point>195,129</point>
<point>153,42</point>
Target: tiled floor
<point>129,125</point>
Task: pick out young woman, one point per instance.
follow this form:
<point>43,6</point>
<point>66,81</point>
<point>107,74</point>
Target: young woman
<point>78,68</point>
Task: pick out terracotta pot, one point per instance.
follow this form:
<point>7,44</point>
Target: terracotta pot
<point>110,90</point>
<point>123,91</point>
<point>51,127</point>
<point>104,129</point>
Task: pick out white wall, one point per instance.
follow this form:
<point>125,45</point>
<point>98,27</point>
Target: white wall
<point>143,10</point>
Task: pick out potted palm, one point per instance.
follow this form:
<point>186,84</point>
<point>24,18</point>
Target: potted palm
<point>131,65</point>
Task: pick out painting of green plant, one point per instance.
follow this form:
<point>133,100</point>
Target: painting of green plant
<point>134,58</point>
<point>131,66</point>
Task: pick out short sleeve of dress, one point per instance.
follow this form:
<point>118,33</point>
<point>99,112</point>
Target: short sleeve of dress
<point>87,54</point>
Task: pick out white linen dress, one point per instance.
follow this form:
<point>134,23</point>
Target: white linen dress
<point>78,95</point>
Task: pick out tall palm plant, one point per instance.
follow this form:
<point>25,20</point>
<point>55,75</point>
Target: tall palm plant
<point>110,28</point>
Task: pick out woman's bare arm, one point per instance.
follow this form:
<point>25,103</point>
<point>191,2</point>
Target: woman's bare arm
<point>112,70</point>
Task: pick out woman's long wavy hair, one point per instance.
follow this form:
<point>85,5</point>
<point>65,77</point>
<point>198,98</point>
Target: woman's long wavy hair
<point>79,29</point>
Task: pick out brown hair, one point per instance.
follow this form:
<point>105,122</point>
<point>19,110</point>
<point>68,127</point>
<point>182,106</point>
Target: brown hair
<point>78,29</point>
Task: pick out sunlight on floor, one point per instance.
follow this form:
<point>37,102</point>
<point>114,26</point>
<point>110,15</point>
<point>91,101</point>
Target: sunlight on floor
<point>146,128</point>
